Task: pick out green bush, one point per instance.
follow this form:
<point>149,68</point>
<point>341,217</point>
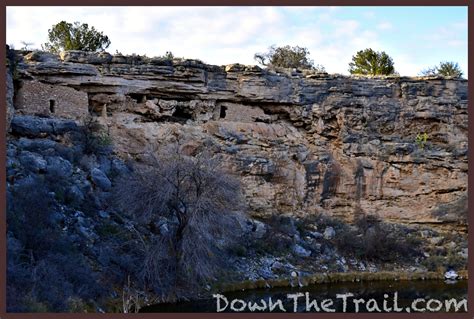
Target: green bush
<point>442,263</point>
<point>370,62</point>
<point>96,139</point>
<point>287,57</point>
<point>450,69</point>
<point>65,36</point>
<point>421,140</point>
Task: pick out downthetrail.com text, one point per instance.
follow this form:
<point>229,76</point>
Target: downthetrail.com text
<point>346,302</point>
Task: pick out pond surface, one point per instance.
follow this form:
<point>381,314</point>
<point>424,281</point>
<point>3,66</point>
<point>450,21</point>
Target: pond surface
<point>385,295</point>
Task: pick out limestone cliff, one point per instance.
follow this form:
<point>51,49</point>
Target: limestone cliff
<point>301,142</point>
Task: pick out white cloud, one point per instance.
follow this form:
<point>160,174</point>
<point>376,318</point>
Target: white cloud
<point>368,14</point>
<point>406,65</point>
<point>344,27</point>
<point>384,26</point>
<point>454,34</point>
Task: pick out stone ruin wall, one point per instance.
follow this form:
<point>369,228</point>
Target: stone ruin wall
<point>301,142</point>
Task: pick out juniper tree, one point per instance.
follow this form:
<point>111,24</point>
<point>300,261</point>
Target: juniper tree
<point>370,62</point>
<point>75,36</point>
<point>287,57</point>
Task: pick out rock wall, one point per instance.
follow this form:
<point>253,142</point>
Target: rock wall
<point>9,98</point>
<point>36,98</point>
<point>302,142</point>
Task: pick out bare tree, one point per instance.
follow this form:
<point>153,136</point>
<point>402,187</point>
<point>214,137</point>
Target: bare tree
<point>188,203</point>
<point>26,45</point>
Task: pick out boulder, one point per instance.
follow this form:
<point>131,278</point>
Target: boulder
<point>34,126</point>
<point>104,214</point>
<point>59,167</point>
<point>86,57</point>
<point>41,56</point>
<point>316,235</point>
<point>32,162</point>
<point>101,180</point>
<point>39,145</point>
<point>329,233</point>
<point>435,240</point>
<point>301,251</point>
<point>259,229</point>
<point>75,195</point>
<point>236,67</point>
<point>463,253</point>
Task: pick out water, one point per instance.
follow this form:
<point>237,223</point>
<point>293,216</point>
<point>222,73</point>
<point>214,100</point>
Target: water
<point>405,292</point>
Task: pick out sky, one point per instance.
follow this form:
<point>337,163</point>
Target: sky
<point>415,37</point>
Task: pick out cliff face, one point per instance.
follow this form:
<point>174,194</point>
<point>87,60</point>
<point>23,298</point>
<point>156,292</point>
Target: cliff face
<point>302,143</point>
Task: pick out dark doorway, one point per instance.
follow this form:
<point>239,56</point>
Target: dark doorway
<point>222,113</point>
<point>52,106</point>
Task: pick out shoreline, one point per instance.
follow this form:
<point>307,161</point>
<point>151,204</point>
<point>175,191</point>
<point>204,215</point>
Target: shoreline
<point>336,277</point>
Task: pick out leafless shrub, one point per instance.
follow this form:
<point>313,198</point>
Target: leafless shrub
<point>188,204</point>
<point>132,299</point>
<point>372,239</point>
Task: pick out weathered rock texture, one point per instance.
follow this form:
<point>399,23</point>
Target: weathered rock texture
<point>302,143</point>
<point>9,98</point>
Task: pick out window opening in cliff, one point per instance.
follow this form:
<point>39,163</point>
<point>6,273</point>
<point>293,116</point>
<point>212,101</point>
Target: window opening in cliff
<point>223,112</point>
<point>52,106</point>
<point>276,112</point>
<point>260,120</point>
<point>140,98</point>
<point>180,115</point>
